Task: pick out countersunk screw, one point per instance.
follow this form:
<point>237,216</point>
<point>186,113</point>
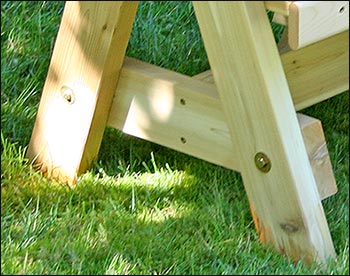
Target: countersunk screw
<point>262,162</point>
<point>68,94</point>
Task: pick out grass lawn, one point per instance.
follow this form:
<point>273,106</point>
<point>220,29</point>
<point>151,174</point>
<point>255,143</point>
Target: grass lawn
<point>141,208</point>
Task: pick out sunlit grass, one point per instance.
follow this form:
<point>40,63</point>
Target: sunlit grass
<point>142,208</point>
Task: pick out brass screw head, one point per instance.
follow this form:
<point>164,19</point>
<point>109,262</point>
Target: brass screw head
<point>262,162</point>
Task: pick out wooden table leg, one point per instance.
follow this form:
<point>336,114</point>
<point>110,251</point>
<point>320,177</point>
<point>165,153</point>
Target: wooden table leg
<point>80,85</point>
<point>258,107</point>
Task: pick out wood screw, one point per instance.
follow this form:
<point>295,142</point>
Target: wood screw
<point>262,162</point>
<point>67,94</point>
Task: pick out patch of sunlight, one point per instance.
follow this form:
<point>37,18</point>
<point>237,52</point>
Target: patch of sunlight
<point>156,215</point>
<point>164,207</point>
<point>163,178</point>
<point>153,106</point>
<point>162,99</point>
<point>119,266</point>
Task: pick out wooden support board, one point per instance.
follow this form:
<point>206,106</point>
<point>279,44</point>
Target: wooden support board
<point>316,148</point>
<point>185,114</point>
<point>312,21</point>
<point>280,7</point>
<point>261,119</point>
<point>249,109</point>
<point>80,85</point>
<point>316,72</point>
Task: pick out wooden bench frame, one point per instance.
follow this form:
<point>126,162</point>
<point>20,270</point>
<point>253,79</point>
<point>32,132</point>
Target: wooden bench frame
<point>246,121</point>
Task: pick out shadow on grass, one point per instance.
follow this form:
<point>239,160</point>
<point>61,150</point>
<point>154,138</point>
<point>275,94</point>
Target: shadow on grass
<point>124,216</point>
<point>170,218</point>
<point>114,221</point>
<point>146,208</point>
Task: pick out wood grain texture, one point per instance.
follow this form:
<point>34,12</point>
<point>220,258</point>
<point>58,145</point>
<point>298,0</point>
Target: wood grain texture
<point>258,108</point>
<point>181,113</point>
<point>280,7</point>
<point>81,81</point>
<point>280,19</point>
<point>172,110</point>
<point>312,21</point>
<point>316,72</point>
<point>319,71</point>
<point>316,148</point>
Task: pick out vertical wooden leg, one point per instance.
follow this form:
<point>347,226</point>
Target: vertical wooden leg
<point>82,79</point>
<point>263,125</point>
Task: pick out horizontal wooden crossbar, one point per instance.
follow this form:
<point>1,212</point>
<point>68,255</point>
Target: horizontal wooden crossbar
<point>310,21</point>
<point>316,72</point>
<point>172,110</point>
<point>185,114</point>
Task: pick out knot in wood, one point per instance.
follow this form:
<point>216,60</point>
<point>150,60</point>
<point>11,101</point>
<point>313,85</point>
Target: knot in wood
<point>289,228</point>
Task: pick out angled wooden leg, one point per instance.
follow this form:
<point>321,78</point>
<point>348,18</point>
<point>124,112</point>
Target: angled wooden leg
<point>258,107</point>
<point>80,85</point>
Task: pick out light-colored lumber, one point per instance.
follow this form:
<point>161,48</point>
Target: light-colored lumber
<point>280,7</point>
<point>316,72</point>
<point>319,71</point>
<point>312,21</point>
<point>261,119</point>
<point>316,147</point>
<point>80,85</point>
<point>280,19</point>
<point>178,112</point>
<point>172,110</point>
